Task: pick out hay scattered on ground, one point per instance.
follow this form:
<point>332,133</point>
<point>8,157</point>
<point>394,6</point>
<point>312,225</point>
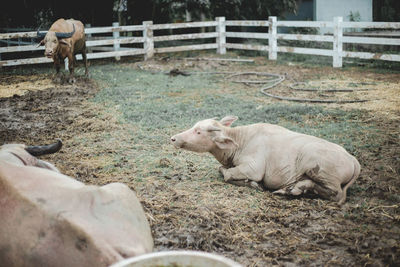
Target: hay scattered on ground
<point>19,85</point>
<point>186,201</point>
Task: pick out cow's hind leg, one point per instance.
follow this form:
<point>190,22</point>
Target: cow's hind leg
<point>300,187</point>
<point>325,184</point>
<point>71,62</point>
<point>84,57</point>
<point>247,183</point>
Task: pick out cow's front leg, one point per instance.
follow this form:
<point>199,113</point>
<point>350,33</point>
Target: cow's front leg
<point>243,175</point>
<point>57,65</point>
<point>71,62</point>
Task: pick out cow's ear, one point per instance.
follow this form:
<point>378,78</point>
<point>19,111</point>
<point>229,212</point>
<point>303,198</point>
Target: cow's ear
<point>228,120</point>
<point>224,142</point>
<point>41,43</point>
<point>62,41</point>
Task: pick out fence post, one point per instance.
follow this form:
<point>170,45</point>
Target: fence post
<point>148,44</point>
<point>221,38</point>
<point>89,35</point>
<point>116,36</point>
<point>272,40</point>
<point>337,42</point>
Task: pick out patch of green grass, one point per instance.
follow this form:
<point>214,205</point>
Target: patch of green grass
<point>161,105</point>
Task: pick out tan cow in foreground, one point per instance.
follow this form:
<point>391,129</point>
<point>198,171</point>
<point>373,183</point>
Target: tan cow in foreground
<point>285,161</point>
<point>65,38</point>
<point>49,219</point>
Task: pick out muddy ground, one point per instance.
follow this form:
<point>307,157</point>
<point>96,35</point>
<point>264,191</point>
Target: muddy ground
<point>253,228</point>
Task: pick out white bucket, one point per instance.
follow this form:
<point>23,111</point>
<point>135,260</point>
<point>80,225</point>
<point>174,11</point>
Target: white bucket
<point>178,259</point>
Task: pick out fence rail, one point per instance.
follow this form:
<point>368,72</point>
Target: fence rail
<point>110,46</point>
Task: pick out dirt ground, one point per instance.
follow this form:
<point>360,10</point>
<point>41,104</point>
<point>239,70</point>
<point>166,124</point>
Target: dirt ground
<point>253,228</point>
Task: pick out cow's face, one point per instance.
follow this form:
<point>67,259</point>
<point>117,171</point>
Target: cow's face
<point>17,154</point>
<point>51,43</point>
<point>204,136</point>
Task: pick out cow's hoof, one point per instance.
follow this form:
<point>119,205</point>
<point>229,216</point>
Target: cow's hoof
<point>57,79</point>
<point>221,169</point>
<point>256,186</point>
<point>71,80</point>
<point>280,192</point>
<point>227,178</point>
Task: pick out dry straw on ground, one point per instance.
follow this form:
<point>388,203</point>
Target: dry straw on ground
<point>19,85</point>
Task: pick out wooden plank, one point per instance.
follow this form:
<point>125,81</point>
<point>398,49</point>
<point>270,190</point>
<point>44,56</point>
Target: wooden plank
<point>307,51</point>
<point>22,48</point>
<point>109,48</point>
<point>312,24</point>
<point>185,36</point>
<point>247,47</point>
<point>365,55</point>
<point>19,42</point>
<point>17,35</point>
<point>248,35</point>
<point>185,48</point>
<point>183,25</point>
<point>380,33</point>
<point>128,40</point>
<point>256,23</point>
<point>43,59</point>
<point>131,52</point>
<point>129,28</point>
<point>371,40</point>
<point>14,62</point>
<point>378,25</point>
<point>305,37</point>
<point>87,31</point>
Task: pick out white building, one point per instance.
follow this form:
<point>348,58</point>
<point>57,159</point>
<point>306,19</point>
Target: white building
<point>356,10</point>
<point>326,10</point>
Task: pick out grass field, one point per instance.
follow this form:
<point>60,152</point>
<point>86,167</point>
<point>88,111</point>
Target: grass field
<point>117,128</point>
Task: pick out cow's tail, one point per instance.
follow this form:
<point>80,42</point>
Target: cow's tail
<point>357,170</point>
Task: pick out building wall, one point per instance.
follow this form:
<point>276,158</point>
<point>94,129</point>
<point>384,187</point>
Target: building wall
<point>325,10</point>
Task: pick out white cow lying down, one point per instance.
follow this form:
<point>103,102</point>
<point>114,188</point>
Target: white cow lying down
<point>49,219</point>
<point>285,161</point>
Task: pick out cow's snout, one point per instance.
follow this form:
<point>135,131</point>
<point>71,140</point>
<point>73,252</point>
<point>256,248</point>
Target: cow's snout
<point>176,141</point>
<point>48,53</point>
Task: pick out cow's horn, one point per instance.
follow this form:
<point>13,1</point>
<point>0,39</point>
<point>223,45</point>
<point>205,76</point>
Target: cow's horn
<point>43,150</point>
<point>66,34</point>
<point>40,34</point>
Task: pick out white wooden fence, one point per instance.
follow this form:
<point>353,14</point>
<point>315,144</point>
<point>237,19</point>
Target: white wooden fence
<point>267,31</point>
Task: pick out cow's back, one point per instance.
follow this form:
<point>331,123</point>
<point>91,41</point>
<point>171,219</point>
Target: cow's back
<point>49,219</point>
<point>78,39</point>
<point>288,154</point>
